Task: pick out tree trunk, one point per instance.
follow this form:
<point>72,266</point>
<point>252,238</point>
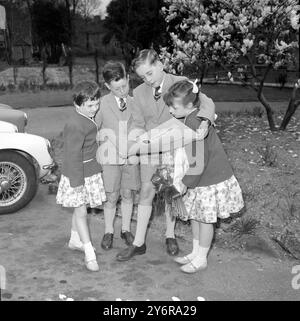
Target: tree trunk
<point>126,56</point>
<point>87,39</point>
<point>7,47</point>
<point>261,97</point>
<point>32,30</point>
<point>203,69</point>
<point>8,36</point>
<point>70,65</point>
<point>97,66</point>
<point>292,107</point>
<point>269,110</point>
<point>70,24</point>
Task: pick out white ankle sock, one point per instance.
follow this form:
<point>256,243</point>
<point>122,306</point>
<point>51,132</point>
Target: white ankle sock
<point>201,257</point>
<point>75,238</point>
<point>170,225</point>
<point>143,216</point>
<point>89,251</point>
<point>109,216</point>
<point>195,250</point>
<point>126,209</point>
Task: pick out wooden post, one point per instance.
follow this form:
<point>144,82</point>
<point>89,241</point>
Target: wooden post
<point>69,58</point>
<point>15,72</point>
<point>44,57</point>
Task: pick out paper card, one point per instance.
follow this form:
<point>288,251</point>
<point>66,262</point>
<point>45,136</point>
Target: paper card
<point>169,135</point>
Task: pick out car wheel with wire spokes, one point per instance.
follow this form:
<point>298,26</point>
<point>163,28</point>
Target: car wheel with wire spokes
<point>18,181</point>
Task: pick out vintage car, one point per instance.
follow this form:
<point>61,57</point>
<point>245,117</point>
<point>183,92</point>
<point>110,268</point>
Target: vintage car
<point>24,160</point>
<point>16,117</point>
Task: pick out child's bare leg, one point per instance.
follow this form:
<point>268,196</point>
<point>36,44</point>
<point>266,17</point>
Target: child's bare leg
<point>147,194</point>
<point>75,242</point>
<point>110,207</point>
<point>110,211</point>
<point>206,235</point>
<point>196,236</point>
<point>206,232</point>
<point>81,224</point>
<point>80,214</point>
<point>195,230</point>
<point>126,209</point>
<point>74,227</point>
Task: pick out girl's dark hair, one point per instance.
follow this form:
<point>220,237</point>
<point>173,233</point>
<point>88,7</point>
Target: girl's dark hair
<point>113,71</point>
<point>84,91</point>
<point>149,55</point>
<point>184,90</point>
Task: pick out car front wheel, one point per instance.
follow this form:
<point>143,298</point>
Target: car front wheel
<point>18,181</point>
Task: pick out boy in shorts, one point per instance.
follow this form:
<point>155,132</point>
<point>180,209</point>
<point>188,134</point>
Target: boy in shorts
<point>120,178</point>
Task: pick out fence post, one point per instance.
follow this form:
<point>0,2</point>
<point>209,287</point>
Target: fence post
<point>69,60</point>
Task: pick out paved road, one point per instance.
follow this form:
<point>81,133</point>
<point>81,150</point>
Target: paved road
<point>40,267</point>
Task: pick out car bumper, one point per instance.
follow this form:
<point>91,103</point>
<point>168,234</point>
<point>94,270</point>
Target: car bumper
<point>46,169</point>
<point>49,167</point>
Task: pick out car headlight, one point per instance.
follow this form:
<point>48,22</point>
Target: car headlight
<point>50,148</point>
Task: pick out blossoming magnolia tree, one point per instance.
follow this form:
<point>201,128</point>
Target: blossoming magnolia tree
<point>225,30</point>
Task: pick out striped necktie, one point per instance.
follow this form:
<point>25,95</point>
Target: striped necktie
<point>157,93</point>
<point>122,104</point>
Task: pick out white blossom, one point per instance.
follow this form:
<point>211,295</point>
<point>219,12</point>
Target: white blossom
<point>216,32</point>
<point>248,43</point>
<point>281,46</point>
<point>294,20</point>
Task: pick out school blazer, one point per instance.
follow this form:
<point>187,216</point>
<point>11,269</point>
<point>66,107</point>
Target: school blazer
<point>113,130</point>
<point>80,149</point>
<point>148,113</point>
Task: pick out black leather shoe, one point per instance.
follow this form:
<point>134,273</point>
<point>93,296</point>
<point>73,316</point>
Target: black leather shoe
<point>127,237</point>
<point>131,251</point>
<point>172,246</point>
<point>107,241</point>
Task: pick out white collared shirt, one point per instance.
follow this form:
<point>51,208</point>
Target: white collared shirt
<point>160,87</point>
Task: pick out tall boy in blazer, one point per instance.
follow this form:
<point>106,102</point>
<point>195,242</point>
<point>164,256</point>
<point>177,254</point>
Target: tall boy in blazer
<point>149,111</point>
<point>114,119</point>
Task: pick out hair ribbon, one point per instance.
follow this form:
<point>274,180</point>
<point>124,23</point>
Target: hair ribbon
<point>195,87</point>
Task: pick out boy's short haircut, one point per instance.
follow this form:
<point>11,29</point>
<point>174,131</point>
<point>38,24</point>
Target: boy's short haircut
<point>149,55</point>
<point>84,91</point>
<point>113,71</point>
